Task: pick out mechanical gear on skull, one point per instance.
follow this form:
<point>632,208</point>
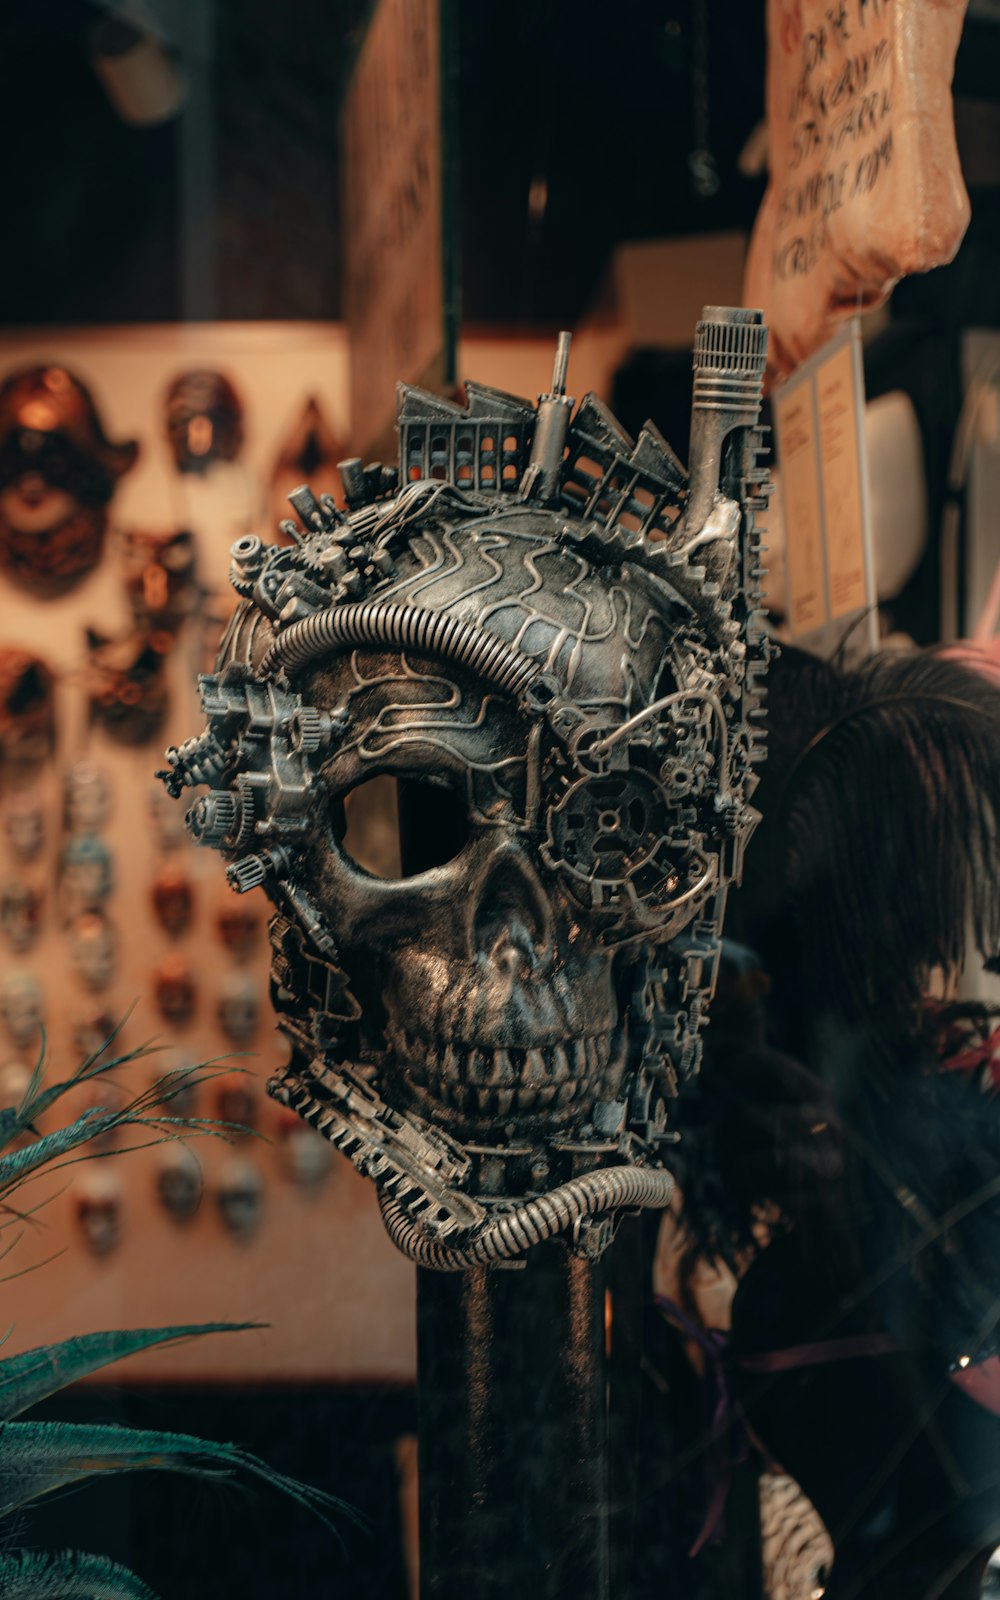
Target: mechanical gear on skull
<point>549,636</point>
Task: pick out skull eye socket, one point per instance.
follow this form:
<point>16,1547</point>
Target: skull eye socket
<point>399,827</point>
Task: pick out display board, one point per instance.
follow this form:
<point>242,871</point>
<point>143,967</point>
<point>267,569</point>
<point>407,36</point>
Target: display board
<point>819,421</point>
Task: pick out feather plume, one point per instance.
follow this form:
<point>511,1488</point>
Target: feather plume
<point>34,1375</point>
<point>39,1457</point>
<point>27,1576</point>
<point>881,801</point>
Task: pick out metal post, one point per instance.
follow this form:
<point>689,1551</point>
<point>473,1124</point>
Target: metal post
<point>513,1431</point>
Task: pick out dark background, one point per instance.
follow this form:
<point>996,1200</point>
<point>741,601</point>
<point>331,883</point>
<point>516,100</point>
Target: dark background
<point>592,100</point>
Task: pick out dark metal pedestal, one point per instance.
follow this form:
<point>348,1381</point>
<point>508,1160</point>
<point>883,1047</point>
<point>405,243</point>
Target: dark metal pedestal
<point>513,1432</point>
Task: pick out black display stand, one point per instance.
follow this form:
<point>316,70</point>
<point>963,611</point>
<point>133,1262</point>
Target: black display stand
<point>513,1426</point>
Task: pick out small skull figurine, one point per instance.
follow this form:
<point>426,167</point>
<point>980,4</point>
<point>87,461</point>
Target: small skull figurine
<point>24,825</point>
<point>21,1007</point>
<point>86,874</point>
<point>92,949</point>
<point>239,1007</point>
<point>174,988</point>
<point>173,899</point>
<point>549,639</point>
<point>240,1197</point>
<point>99,1210</point>
<point>20,914</point>
<point>239,927</point>
<point>179,1182</point>
<point>88,798</point>
<point>305,1155</point>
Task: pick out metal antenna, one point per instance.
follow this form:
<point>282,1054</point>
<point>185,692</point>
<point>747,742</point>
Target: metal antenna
<point>561,364</point>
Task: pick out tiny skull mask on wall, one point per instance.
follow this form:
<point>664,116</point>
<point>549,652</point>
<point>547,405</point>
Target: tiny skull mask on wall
<point>21,1008</point>
<point>179,1181</point>
<point>88,798</point>
<point>548,639</point>
<point>24,827</point>
<point>239,1196</point>
<point>238,1007</point>
<point>93,949</point>
<point>86,874</point>
<point>20,914</point>
<point>100,1211</point>
<point>175,991</point>
<point>172,896</point>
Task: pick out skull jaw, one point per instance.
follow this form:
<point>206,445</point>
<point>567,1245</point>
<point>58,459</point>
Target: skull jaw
<point>494,1095</point>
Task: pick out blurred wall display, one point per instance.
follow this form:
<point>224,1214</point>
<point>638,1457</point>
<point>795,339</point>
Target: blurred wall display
<point>133,458</point>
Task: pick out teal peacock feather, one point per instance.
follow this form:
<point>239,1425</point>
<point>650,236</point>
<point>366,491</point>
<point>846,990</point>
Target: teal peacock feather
<point>37,1458</point>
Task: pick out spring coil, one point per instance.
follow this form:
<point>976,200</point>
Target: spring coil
<point>401,627</point>
<point>513,1232</point>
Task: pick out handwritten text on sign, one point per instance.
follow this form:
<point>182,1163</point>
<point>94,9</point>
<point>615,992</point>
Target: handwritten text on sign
<point>839,122</point>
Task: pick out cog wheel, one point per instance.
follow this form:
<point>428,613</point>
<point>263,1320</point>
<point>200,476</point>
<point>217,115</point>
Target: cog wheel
<point>608,833</point>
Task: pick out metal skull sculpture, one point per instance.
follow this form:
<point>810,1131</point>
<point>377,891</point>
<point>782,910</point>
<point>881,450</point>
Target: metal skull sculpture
<point>548,637</point>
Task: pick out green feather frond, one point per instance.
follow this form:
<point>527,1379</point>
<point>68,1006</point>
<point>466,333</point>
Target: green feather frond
<point>68,1575</point>
<point>54,1150</point>
<point>37,1458</point>
<point>34,1375</point>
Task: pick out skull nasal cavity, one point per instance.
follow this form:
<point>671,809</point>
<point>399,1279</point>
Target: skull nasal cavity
<point>512,914</point>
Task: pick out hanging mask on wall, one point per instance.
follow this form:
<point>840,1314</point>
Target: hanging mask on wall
<point>159,570</point>
<point>58,470</point>
<point>236,1104</point>
<point>174,988</point>
<point>27,710</point>
<point>100,1212</point>
<point>305,1156</point>
<point>239,927</point>
<point>86,874</point>
<point>92,950</point>
<point>20,914</point>
<point>179,1089</point>
<point>92,1030</point>
<point>204,421</point>
<point>173,899</point>
<point>166,820</point>
<point>309,454</point>
<point>21,1008</point>
<point>24,827</point>
<point>126,685</point>
<point>179,1182</point>
<point>240,1197</point>
<point>88,798</point>
<point>239,1008</point>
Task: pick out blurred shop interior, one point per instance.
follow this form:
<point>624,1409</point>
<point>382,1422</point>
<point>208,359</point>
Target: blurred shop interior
<point>174,297</point>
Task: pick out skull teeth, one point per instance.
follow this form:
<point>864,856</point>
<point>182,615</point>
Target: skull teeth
<point>482,1082</point>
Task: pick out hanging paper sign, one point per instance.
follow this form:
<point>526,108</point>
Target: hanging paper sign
<point>822,455</point>
<point>398,267</point>
<point>865,184</point>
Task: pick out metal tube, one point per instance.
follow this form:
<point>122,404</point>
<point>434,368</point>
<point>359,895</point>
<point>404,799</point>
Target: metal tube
<point>730,355</point>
